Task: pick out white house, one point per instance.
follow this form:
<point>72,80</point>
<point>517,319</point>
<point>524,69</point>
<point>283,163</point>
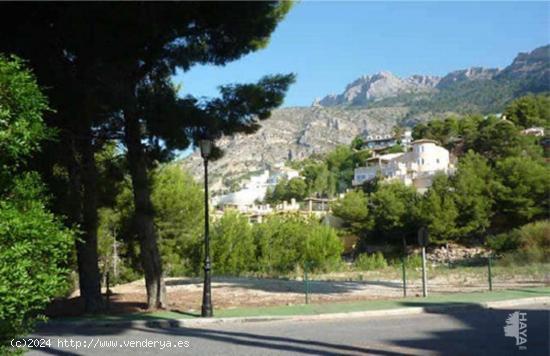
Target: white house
<point>534,131</point>
<point>416,167</point>
<point>384,141</point>
<point>254,190</point>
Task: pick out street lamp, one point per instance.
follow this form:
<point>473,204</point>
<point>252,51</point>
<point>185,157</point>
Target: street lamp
<point>206,147</point>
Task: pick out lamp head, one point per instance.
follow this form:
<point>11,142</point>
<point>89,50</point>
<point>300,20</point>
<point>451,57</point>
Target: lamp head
<point>206,147</point>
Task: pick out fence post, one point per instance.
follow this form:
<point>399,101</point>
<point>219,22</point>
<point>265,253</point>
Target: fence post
<point>490,273</point>
<point>403,259</point>
<point>306,282</point>
<point>424,278</point>
<point>108,290</point>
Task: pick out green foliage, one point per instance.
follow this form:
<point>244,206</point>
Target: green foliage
<point>366,262</point>
<point>357,143</point>
<point>352,208</point>
<point>391,211</point>
<point>530,111</point>
<point>438,211</point>
<point>498,139</point>
<point>283,243</point>
<point>534,241</point>
<point>333,172</point>
<point>285,190</point>
<point>21,107</point>
<point>319,179</point>
<point>232,245</point>
<point>413,261</point>
<point>530,243</point>
<point>395,149</point>
<point>296,189</point>
<point>504,242</point>
<point>437,129</point>
<point>35,244</point>
<point>472,193</point>
<point>521,189</point>
<point>179,219</point>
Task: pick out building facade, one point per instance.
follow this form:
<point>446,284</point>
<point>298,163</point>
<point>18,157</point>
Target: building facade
<point>414,168</point>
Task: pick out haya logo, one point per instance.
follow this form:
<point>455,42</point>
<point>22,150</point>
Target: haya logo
<point>516,326</point>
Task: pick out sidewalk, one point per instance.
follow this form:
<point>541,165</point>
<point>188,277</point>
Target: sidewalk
<point>404,306</point>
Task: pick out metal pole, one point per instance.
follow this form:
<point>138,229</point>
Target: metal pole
<point>206,296</point>
<point>490,273</point>
<point>306,283</point>
<point>108,291</point>
<point>424,281</point>
<point>404,276</point>
<point>403,262</point>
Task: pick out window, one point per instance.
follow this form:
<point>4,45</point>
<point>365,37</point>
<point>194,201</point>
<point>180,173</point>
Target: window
<point>422,160</point>
<point>437,160</point>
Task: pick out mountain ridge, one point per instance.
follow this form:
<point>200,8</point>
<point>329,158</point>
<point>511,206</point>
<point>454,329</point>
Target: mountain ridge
<point>298,132</point>
<point>369,89</point>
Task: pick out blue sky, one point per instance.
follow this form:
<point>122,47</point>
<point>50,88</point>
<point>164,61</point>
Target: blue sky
<point>329,44</point>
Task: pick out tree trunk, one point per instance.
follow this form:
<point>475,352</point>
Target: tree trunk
<point>144,213</point>
<point>84,212</point>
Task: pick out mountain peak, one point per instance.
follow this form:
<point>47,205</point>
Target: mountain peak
<point>381,85</point>
<point>533,67</point>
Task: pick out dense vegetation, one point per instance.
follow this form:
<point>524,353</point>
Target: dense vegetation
<point>501,183</point>
<point>116,86</point>
<point>277,246</point>
<point>35,246</point>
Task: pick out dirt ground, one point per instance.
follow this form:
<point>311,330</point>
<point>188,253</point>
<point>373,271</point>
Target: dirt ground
<point>185,294</point>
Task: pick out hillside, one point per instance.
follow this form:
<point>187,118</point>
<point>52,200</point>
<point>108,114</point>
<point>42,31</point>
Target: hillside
<point>373,104</point>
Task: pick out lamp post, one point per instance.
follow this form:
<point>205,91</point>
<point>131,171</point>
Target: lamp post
<point>206,147</point>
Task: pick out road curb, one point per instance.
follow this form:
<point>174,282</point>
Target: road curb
<point>183,323</point>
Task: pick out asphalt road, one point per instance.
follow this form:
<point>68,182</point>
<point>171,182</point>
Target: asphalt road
<point>459,332</point>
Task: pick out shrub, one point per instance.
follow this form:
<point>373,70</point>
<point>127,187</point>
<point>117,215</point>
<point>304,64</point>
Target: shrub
<point>34,247</point>
<point>530,243</point>
<point>286,243</point>
<point>366,262</point>
<point>504,242</point>
<point>414,261</point>
<point>534,241</point>
<point>232,245</point>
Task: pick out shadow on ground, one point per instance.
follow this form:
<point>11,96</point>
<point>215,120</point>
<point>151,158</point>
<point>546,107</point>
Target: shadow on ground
<point>466,329</point>
<point>287,285</point>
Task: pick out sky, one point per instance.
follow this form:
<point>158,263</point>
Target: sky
<point>330,44</point>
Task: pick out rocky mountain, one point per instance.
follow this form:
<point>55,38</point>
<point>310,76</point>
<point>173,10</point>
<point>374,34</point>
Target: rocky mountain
<point>474,73</point>
<point>372,105</point>
<point>529,72</point>
<point>528,65</point>
<point>291,133</point>
<point>380,86</point>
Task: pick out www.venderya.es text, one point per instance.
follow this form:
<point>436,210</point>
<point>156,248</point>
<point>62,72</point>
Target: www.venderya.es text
<point>95,343</point>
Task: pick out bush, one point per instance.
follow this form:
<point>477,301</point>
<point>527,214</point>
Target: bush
<point>534,241</point>
<point>530,243</point>
<point>366,262</point>
<point>504,242</point>
<point>286,243</point>
<point>414,261</point>
<point>34,244</point>
<point>34,247</point>
<point>232,245</point>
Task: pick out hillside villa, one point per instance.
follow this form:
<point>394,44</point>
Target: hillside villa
<point>414,168</point>
<point>255,189</point>
<point>378,142</point>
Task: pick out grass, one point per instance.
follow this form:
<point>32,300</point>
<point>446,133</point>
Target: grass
<point>501,273</point>
<point>344,307</point>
